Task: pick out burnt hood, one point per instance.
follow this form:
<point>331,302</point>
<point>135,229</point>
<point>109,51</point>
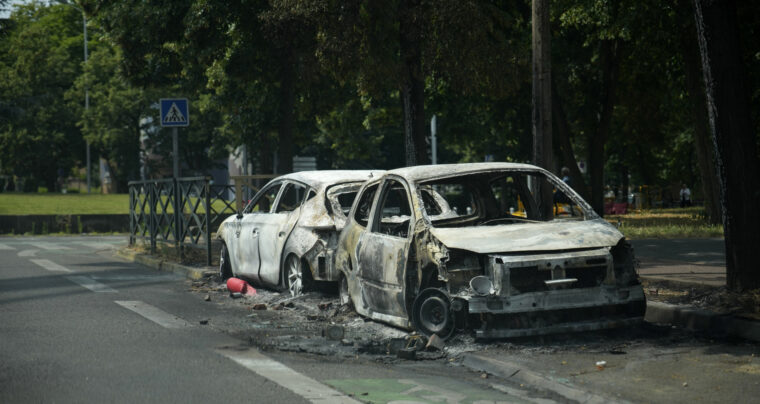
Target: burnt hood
<point>520,237</point>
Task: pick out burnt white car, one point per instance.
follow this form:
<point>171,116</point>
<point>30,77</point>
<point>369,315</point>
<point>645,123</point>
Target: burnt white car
<point>286,236</point>
<point>507,250</point>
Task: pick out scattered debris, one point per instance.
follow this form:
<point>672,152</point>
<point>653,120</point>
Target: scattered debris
<point>207,297</point>
<point>601,364</point>
<point>259,306</point>
<point>407,353</point>
<point>334,332</point>
<point>235,285</point>
<point>203,322</point>
<point>435,342</point>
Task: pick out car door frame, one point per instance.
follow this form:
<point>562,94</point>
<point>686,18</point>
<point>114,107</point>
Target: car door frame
<point>382,259</point>
<point>277,229</point>
<point>245,254</point>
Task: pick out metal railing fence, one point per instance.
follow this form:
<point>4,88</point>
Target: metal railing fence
<point>202,207</point>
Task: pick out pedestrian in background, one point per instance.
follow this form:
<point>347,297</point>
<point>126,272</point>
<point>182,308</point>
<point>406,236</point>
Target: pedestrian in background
<point>685,196</point>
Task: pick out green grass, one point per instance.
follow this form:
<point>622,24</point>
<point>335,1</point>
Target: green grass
<point>666,223</point>
<point>78,204</point>
<point>62,204</point>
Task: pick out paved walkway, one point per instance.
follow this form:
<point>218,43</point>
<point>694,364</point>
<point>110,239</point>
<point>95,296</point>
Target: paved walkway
<point>701,261</point>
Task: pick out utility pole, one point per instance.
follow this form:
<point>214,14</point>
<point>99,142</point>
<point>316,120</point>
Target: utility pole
<point>86,84</point>
<point>542,110</point>
<point>86,95</point>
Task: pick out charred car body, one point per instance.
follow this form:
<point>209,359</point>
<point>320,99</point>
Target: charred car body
<point>505,249</point>
<point>287,234</point>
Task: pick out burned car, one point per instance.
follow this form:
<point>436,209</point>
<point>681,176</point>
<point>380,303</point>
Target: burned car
<point>505,249</point>
<point>286,235</point>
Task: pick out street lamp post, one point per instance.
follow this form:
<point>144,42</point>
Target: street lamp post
<point>86,89</point>
<point>86,95</point>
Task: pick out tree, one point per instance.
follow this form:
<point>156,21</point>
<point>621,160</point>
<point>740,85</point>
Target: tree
<point>112,123</point>
<point>412,46</point>
<point>39,59</point>
<point>542,99</point>
<point>736,152</point>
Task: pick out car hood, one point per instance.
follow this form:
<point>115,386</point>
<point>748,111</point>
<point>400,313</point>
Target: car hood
<point>558,235</point>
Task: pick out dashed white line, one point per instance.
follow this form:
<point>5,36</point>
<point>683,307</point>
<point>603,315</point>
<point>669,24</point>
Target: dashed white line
<point>91,284</point>
<point>298,383</point>
<point>49,246</point>
<point>27,253</point>
<point>154,314</point>
<point>6,247</point>
<point>50,265</point>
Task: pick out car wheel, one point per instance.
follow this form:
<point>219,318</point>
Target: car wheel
<point>294,280</point>
<point>345,298</point>
<point>225,267</point>
<point>431,313</point>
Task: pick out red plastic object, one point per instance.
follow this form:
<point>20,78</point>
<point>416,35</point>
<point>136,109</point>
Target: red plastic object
<point>235,285</point>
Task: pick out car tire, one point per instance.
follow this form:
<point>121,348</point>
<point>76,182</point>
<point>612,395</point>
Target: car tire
<point>432,314</point>
<point>293,276</point>
<point>225,266</point>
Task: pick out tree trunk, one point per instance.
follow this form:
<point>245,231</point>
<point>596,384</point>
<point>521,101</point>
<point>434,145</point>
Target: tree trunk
<point>287,103</point>
<point>542,98</point>
<point>702,142</point>
<point>412,83</point>
<point>598,138</point>
<point>565,146</point>
<point>733,137</point>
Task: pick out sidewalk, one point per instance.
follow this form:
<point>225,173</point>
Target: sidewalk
<point>689,261</point>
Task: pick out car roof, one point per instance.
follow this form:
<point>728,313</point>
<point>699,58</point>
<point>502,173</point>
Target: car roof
<point>417,173</point>
<point>321,179</point>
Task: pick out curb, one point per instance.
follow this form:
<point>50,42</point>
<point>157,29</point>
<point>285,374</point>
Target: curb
<point>163,265</point>
<point>675,283</point>
<point>695,319</point>
<point>513,372</point>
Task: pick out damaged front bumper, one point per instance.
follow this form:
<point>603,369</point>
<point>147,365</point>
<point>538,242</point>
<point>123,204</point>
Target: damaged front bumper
<point>536,294</point>
<point>558,311</point>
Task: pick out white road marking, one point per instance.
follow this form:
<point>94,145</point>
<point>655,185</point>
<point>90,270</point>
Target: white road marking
<point>51,266</point>
<point>302,385</point>
<point>89,283</point>
<point>6,247</point>
<point>154,314</point>
<point>27,253</point>
<point>49,246</point>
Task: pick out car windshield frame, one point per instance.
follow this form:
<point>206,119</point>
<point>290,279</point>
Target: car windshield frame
<point>449,217</point>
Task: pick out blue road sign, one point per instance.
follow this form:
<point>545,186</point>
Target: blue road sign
<point>174,112</point>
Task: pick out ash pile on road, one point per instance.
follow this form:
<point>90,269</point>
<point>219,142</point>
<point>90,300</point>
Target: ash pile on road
<point>317,323</point>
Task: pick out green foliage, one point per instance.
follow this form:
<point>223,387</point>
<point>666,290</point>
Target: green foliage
<point>323,78</point>
<point>39,59</point>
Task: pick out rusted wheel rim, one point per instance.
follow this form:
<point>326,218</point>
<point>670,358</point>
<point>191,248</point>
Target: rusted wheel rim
<point>434,314</point>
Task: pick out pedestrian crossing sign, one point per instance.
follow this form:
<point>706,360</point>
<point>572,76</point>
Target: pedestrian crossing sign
<point>174,112</point>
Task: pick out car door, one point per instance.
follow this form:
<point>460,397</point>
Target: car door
<point>275,230</point>
<point>384,248</point>
<point>245,252</point>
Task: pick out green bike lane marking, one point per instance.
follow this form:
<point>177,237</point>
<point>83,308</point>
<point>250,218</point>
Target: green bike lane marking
<point>419,391</point>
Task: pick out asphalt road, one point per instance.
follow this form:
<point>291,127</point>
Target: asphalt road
<point>700,261</point>
<point>79,325</point>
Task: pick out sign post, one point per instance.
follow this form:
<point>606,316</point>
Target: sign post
<point>175,113</point>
